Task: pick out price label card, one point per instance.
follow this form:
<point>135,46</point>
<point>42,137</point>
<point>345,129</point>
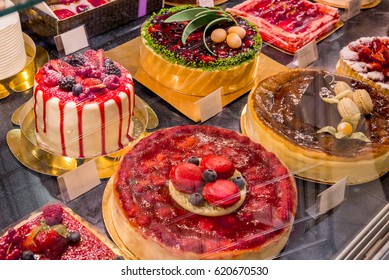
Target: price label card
<point>72,40</point>
<point>78,181</point>
<point>353,7</point>
<point>306,55</point>
<point>210,105</point>
<point>329,199</point>
<point>205,3</point>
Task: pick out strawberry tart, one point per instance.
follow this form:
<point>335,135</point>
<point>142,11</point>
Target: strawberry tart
<point>367,59</point>
<point>200,50</point>
<point>64,9</point>
<point>324,127</point>
<point>55,233</point>
<point>200,192</point>
<point>288,25</point>
<point>83,105</point>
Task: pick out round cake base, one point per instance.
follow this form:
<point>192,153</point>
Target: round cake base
<point>135,246</point>
<point>311,165</point>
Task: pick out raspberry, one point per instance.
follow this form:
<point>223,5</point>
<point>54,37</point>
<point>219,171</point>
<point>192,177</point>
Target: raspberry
<point>52,78</point>
<point>67,83</point>
<point>112,82</point>
<point>53,214</point>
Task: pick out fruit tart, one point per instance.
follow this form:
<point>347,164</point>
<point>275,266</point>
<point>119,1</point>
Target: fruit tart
<point>288,25</point>
<point>56,233</point>
<point>197,50</point>
<point>201,192</point>
<point>367,59</point>
<point>323,126</point>
<point>83,105</point>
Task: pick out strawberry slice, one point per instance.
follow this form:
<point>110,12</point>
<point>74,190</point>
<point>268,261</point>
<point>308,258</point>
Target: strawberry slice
<point>186,177</point>
<point>221,165</point>
<point>95,58</point>
<point>63,68</point>
<point>50,243</point>
<point>93,84</point>
<point>221,192</point>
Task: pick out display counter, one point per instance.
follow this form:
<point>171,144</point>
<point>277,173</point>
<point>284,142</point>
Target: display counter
<point>325,237</point>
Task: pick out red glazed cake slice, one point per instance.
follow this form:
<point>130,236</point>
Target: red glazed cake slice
<point>248,215</point>
<point>56,233</point>
<point>288,25</point>
<point>83,105</point>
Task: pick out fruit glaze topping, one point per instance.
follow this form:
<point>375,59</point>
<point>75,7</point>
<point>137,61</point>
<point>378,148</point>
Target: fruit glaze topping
<point>292,16</point>
<point>142,187</point>
<point>53,235</point>
<point>209,186</point>
<point>64,9</point>
<point>198,37</point>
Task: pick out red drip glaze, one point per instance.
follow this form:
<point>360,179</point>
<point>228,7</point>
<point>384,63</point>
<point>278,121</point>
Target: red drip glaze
<point>61,126</point>
<point>118,102</point>
<point>80,132</point>
<point>102,117</point>
<point>35,115</point>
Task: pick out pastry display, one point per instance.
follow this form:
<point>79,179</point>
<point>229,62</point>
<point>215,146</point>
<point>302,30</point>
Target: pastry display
<point>55,233</point>
<point>201,192</point>
<point>64,9</point>
<point>83,105</point>
<point>12,50</point>
<point>289,25</point>
<point>367,59</point>
<point>179,40</point>
<point>344,4</point>
<point>324,127</point>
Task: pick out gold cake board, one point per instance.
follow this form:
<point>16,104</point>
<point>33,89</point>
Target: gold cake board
<point>23,145</point>
<point>107,217</point>
<point>216,2</point>
<point>128,55</point>
<point>343,6</point>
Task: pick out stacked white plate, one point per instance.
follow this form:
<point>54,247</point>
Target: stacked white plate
<point>12,51</point>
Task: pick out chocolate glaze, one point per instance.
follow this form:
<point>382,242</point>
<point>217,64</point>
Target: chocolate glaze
<point>279,101</point>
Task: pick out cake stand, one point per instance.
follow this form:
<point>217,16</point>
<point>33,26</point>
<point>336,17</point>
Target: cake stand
<point>23,145</point>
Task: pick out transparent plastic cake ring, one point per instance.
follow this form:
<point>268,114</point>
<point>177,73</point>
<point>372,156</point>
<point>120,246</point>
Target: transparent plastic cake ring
<point>23,145</point>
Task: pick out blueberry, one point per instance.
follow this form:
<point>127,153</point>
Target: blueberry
<point>107,62</point>
<point>194,160</point>
<point>67,83</point>
<point>209,175</point>
<point>77,89</point>
<point>118,257</point>
<point>74,237</point>
<point>27,255</point>
<point>239,181</point>
<point>196,199</point>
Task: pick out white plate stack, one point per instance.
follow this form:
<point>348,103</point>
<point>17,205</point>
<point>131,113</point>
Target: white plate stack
<point>12,51</point>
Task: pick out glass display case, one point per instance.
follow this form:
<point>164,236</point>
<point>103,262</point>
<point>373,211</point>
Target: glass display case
<point>356,228</point>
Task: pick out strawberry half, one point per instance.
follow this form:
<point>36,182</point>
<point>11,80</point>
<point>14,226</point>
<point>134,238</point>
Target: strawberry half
<point>221,165</point>
<point>221,192</point>
<point>51,244</point>
<point>187,177</point>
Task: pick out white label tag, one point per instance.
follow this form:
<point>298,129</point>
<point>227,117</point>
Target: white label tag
<point>78,181</point>
<point>328,199</point>
<point>353,7</point>
<point>210,105</point>
<point>306,54</point>
<point>72,40</point>
<point>205,3</point>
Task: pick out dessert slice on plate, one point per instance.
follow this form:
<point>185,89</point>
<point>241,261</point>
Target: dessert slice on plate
<point>56,233</point>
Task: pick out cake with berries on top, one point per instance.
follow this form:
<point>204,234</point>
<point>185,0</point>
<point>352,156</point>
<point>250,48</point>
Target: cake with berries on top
<point>196,50</point>
<point>201,192</point>
<point>83,105</point>
<point>55,233</point>
<point>367,59</point>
